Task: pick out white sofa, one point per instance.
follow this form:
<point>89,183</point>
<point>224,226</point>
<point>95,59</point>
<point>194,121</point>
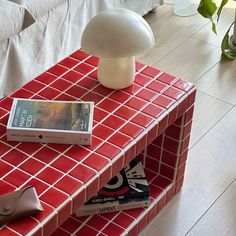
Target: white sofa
<point>34,35</point>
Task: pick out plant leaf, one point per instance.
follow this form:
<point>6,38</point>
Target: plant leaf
<point>223,3</point>
<point>225,45</point>
<point>207,8</point>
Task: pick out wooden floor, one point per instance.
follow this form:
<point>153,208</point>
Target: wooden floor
<point>186,47</point>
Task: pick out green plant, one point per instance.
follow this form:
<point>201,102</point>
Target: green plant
<point>208,8</point>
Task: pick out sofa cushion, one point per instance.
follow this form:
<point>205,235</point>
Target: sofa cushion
<point>38,7</point>
<point>14,18</point>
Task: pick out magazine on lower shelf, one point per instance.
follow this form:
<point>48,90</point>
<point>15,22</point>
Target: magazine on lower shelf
<point>128,189</point>
<point>47,121</point>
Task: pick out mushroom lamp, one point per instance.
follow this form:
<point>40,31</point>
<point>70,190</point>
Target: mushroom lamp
<point>116,36</point>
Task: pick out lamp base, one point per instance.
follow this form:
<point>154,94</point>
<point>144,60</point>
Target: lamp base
<point>116,73</point>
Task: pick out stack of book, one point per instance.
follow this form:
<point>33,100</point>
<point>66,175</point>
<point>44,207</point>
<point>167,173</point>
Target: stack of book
<point>128,189</point>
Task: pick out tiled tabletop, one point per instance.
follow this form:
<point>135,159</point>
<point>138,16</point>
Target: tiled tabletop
<point>125,122</point>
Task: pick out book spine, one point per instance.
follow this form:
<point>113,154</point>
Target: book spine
<point>23,135</point>
<point>110,207</point>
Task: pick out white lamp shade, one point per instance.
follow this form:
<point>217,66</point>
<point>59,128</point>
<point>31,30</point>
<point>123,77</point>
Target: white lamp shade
<point>117,33</point>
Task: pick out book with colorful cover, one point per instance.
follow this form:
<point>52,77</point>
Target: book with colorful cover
<point>128,189</point>
<point>46,121</point>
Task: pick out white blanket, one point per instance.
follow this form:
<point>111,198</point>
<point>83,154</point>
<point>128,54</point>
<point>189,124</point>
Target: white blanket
<point>55,35</point>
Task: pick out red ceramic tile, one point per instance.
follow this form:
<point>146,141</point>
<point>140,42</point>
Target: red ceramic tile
<point>79,55</point>
<point>73,76</point>
<point>57,70</point>
<point>154,151</point>
<point>157,86</point>
<point>32,166</point>
<point>155,191</point>
<point>46,155</point>
<point>114,122</point>
<point>47,210</point>
<point>53,197</point>
<point>169,158</point>
<point>29,148</point>
<point>6,187</point>
<point>108,150</point>
<point>49,175</point>
<point>16,178</point>
<point>142,120</point>
<point>191,97</point>
<point>131,130</point>
<point>82,173</point>
<point>39,185</point>
<point>77,152</point>
<point>24,225</point>
<point>103,131</point>
<point>95,143</point>
<point>69,62</point>
<point>87,230</point>
<point>171,145</point>
<point>4,148</point>
<point>163,123</point>
<point>166,78</point>
<point>34,86</point>
<point>22,93</point>
<point>2,130</point>
<point>76,91</point>
<point>174,93</point>
<point>94,74</point>
<point>59,147</point>
<point>139,66</point>
<point>49,93</point>
<point>2,112</point>
<point>99,114</point>
<point>142,80</point>
<point>50,225</point>
<point>65,97</point>
<point>64,164</point>
<point>84,68</point>
<point>46,78</point>
<point>88,83</point>
<point>90,96</point>
<point>6,103</point>
<point>150,71</point>
<point>8,232</point>
<point>15,157</point>
<point>61,84</point>
<point>120,140</point>
<point>125,112</point>
<point>141,144</point>
<point>132,89</point>
<point>147,94</point>
<point>153,110</point>
<point>136,103</point>
<point>71,225</point>
<point>4,168</point>
<point>167,171</point>
<point>119,96</point>
<point>161,182</point>
<point>60,232</point>
<point>95,161</point>
<point>97,222</point>
<point>109,105</point>
<point>92,188</point>
<point>183,85</point>
<point>92,61</point>
<point>113,230</point>
<point>79,199</point>
<point>68,185</point>
<point>152,164</point>
<point>123,220</point>
<point>102,90</point>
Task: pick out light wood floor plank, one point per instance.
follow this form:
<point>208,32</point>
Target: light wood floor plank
<point>170,31</point>
<point>220,219</point>
<point>190,60</point>
<point>220,81</point>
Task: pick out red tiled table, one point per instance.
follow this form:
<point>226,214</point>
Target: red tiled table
<point>152,118</point>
